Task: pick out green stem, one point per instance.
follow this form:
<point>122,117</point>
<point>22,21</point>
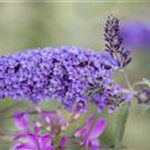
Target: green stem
<point>122,116</point>
<point>127,80</point>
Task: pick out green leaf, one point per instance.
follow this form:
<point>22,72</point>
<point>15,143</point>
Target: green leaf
<point>121,122</point>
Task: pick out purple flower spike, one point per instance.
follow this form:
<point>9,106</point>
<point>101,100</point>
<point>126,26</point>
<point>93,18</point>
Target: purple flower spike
<point>68,74</point>
<point>21,120</point>
<point>114,44</point>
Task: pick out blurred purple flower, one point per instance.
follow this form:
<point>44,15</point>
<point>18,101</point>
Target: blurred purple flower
<point>143,96</point>
<point>34,142</point>
<point>28,139</point>
<point>21,120</point>
<point>55,122</point>
<point>90,135</point>
<point>85,129</point>
<point>136,35</point>
<point>79,110</point>
<point>63,142</point>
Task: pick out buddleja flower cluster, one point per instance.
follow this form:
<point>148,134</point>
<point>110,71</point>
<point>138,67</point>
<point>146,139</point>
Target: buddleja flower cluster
<point>75,77</point>
<point>69,74</point>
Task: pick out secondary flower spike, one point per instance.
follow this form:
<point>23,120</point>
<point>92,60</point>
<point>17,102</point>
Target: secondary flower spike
<point>70,74</point>
<point>114,43</point>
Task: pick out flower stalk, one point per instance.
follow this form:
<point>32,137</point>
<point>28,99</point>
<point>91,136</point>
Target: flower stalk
<point>123,114</point>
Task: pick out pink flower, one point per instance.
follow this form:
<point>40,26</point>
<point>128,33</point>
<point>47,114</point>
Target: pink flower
<point>21,120</point>
<point>36,140</point>
<point>90,134</point>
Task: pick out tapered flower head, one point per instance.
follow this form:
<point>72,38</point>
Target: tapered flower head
<point>114,44</point>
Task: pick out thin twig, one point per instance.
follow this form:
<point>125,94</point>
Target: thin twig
<point>127,80</point>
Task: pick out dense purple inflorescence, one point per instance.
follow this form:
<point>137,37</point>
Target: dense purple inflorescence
<point>70,74</point>
<point>114,43</point>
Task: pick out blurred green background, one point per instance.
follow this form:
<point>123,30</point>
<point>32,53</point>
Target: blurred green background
<point>27,25</point>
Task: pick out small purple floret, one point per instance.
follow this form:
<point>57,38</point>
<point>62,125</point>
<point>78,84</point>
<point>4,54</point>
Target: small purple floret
<point>143,96</point>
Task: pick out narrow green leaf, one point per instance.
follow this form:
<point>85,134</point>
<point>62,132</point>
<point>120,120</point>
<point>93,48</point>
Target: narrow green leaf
<point>121,124</point>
